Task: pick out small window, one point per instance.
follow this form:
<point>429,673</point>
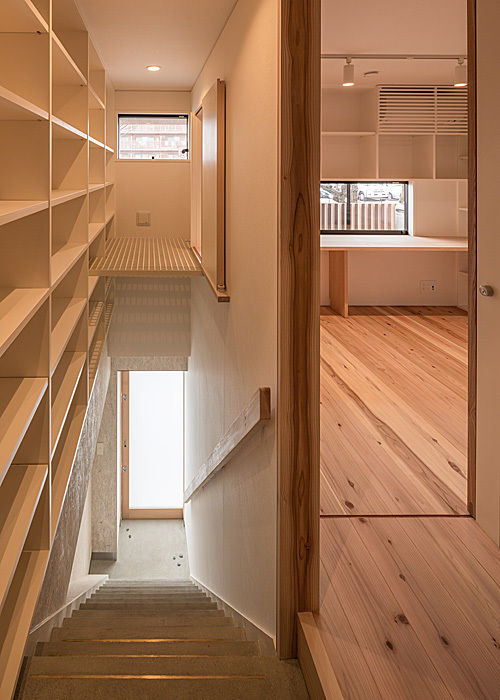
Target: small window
<point>364,207</point>
<point>153,136</point>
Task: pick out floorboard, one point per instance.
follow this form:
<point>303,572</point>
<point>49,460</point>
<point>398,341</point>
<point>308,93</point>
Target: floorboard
<point>394,411</point>
<point>409,607</point>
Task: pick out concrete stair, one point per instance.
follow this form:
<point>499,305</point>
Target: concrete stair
<point>154,640</point>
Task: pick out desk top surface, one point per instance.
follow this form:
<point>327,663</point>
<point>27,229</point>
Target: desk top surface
<point>391,242</point>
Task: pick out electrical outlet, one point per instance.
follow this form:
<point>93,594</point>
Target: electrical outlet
<point>100,448</point>
<point>427,286</point>
<point>143,218</point>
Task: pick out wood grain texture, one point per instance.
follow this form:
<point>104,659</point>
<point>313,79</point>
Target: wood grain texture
<point>316,668</point>
<point>256,412</point>
<point>338,281</point>
<point>154,514</point>
<point>409,607</point>
<point>394,411</point>
<point>298,318</point>
<point>472,255</point>
<point>134,256</point>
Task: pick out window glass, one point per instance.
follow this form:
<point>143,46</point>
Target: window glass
<point>379,207</point>
<point>154,137</point>
<point>156,437</point>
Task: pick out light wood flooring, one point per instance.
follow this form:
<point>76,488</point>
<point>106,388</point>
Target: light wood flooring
<point>409,591</point>
<point>394,411</point>
<point>410,608</point>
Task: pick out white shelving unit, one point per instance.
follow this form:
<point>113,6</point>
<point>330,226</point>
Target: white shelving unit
<point>56,212</point>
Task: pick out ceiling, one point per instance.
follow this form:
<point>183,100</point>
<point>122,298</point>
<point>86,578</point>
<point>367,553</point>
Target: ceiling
<point>177,35</point>
<point>393,27</point>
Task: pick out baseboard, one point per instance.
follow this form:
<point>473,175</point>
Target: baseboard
<point>78,592</point>
<point>316,668</point>
<point>253,632</point>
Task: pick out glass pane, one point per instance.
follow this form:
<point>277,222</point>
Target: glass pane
<point>156,439</point>
<point>153,137</point>
<point>363,206</point>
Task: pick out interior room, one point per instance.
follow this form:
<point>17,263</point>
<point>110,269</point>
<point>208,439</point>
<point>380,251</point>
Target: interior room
<point>249,349</point>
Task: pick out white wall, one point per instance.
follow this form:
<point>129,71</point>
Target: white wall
<point>231,524</point>
<point>83,552</point>
<point>159,187</point>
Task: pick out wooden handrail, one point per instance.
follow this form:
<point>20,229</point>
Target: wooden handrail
<point>255,412</point>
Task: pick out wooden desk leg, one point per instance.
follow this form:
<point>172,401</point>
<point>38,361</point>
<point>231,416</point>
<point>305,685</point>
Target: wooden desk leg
<point>338,282</point>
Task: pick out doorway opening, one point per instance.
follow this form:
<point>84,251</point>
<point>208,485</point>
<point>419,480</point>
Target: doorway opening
<point>152,427</point>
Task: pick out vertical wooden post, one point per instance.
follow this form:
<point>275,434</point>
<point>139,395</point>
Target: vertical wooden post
<point>298,318</point>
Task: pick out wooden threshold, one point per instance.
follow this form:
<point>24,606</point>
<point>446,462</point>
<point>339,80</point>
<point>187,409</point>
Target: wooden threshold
<point>255,413</point>
<point>154,514</point>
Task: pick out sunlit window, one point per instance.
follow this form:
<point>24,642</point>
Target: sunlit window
<point>153,137</point>
<point>368,207</point>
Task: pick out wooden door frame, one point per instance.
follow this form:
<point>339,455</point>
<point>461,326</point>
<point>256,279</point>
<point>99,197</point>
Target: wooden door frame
<point>128,513</point>
<point>472,256</point>
<point>298,318</point>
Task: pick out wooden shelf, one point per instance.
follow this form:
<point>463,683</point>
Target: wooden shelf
<point>94,143</point>
<point>14,107</point>
<point>348,133</point>
<point>109,184</point>
<point>21,16</point>
<point>12,210</point>
<point>64,69</point>
<point>95,101</point>
<point>64,259</point>
<point>93,282</point>
<point>94,358</point>
<point>16,614</point>
<point>19,399</point>
<point>70,366</point>
<point>109,149</point>
<point>97,186</point>
<point>17,307</point>
<point>61,196</point>
<point>95,313</point>
<point>109,216</point>
<point>64,459</point>
<point>68,313</point>
<point>146,256</point>
<point>95,230</point>
<point>63,130</point>
<point>19,495</point>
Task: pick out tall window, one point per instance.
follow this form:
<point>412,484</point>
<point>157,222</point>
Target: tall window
<point>153,136</point>
<point>364,207</point>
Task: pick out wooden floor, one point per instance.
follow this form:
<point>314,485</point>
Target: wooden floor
<point>410,608</point>
<point>409,591</point>
<point>394,411</point>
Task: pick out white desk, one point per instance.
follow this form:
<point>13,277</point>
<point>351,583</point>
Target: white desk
<point>339,245</point>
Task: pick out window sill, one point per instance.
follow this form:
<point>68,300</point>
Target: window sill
<point>152,160</point>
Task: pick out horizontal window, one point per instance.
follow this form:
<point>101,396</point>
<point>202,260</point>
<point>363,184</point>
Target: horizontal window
<point>364,207</point>
<point>153,136</point>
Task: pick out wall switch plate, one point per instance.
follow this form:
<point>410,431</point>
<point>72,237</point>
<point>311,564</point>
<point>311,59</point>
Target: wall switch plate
<point>427,286</point>
<point>100,449</point>
<point>143,218</point>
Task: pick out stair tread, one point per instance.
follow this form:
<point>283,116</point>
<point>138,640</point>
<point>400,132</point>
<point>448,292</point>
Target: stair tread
<point>181,647</point>
<point>97,614</point>
<point>167,632</point>
<point>163,621</point>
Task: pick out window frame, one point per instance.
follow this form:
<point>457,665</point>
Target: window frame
<point>150,115</point>
<point>374,232</point>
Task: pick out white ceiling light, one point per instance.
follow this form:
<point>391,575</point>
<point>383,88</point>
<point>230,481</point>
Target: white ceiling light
<point>348,77</point>
<point>153,69</point>
<point>460,74</point>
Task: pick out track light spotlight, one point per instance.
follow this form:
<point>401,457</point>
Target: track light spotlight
<point>460,74</point>
<point>348,77</point>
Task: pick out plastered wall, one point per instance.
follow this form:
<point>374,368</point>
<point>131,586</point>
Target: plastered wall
<point>231,524</point>
<point>159,187</point>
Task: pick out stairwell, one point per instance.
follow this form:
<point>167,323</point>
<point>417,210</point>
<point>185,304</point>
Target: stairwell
<point>156,639</point>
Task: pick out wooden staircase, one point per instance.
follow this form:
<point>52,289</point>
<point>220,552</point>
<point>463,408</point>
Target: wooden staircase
<point>136,639</point>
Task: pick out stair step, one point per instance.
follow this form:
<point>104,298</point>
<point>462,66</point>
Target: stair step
<point>150,688</point>
<point>165,583</point>
<point>147,621</point>
<point>149,591</point>
<point>169,666</point>
<point>157,597</point>
<point>138,605</point>
<point>185,614</point>
<point>185,632</point>
<point>207,647</point>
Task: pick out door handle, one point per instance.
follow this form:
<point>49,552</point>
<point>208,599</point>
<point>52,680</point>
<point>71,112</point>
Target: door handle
<point>486,290</point>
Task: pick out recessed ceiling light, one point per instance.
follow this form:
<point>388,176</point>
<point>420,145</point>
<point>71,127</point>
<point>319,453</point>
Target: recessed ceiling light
<point>153,69</point>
